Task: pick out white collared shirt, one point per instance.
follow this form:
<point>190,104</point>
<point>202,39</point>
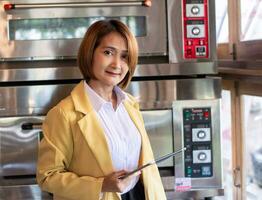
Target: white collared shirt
<point>123,137</point>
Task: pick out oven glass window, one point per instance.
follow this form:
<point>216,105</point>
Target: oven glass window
<point>66,28</point>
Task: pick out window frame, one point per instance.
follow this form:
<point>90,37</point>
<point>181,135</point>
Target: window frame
<point>236,49</point>
<point>237,90</point>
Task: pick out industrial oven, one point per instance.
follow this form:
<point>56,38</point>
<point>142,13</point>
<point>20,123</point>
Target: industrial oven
<point>178,93</point>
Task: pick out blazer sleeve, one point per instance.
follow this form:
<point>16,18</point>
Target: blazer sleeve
<point>55,153</point>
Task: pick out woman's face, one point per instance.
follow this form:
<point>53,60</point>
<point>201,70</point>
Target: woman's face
<point>110,60</point>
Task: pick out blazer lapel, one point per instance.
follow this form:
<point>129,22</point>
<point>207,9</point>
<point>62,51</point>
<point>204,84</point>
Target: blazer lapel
<point>91,129</point>
<point>95,137</point>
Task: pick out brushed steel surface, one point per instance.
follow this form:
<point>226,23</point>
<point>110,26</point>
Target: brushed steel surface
<point>33,192</point>
<point>38,99</point>
<point>77,4</point>
<point>18,147</point>
<point>23,192</point>
<point>199,183</point>
<point>31,100</point>
<point>154,43</point>
<point>158,125</point>
<point>31,71</point>
<point>168,183</point>
<point>65,1</point>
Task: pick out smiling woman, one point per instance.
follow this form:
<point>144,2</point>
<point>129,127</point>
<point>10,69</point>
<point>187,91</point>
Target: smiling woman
<point>96,135</point>
<point>109,64</point>
<point>93,39</point>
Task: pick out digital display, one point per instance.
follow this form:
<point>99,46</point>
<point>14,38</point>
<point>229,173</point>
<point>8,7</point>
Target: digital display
<point>200,49</point>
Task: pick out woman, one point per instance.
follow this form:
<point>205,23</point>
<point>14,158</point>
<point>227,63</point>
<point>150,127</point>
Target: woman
<point>97,134</point>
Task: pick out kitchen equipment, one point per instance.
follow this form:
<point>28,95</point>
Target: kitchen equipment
<point>174,82</point>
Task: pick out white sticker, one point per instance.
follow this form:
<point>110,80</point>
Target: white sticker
<point>182,184</point>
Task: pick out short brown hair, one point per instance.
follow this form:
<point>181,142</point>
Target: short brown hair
<point>91,41</point>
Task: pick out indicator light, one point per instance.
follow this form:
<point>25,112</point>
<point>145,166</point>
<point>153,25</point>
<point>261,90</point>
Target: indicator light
<point>187,115</point>
<point>147,3</point>
<point>9,6</point>
<point>206,114</point>
<point>189,171</point>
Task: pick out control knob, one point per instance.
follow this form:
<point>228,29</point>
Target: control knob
<point>201,134</point>
<point>195,31</point>
<point>195,10</point>
<point>202,156</point>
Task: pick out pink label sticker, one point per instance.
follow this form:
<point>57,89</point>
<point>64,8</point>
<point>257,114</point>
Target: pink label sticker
<point>182,184</point>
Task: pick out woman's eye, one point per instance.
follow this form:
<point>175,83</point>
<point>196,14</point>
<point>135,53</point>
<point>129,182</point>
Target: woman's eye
<point>124,57</point>
<point>107,52</point>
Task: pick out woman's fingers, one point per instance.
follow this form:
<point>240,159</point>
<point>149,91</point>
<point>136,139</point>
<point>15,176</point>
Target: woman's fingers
<point>114,182</point>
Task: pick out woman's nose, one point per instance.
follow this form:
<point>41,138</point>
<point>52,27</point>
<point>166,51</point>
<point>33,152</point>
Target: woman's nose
<point>116,62</point>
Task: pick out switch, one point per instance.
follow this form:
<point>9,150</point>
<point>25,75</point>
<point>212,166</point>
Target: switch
<point>189,42</point>
<point>189,171</point>
<point>189,52</point>
<point>206,171</point>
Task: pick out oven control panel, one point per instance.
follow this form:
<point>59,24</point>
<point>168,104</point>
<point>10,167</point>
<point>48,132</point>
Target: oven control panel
<point>195,23</point>
<point>198,142</point>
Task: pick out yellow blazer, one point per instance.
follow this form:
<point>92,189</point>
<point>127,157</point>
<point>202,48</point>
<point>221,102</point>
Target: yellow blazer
<point>74,155</point>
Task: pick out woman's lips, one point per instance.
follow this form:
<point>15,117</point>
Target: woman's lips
<point>113,73</point>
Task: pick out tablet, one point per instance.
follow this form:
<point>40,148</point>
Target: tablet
<point>161,159</point>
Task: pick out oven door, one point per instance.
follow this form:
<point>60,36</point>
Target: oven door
<point>47,29</point>
<point>19,137</point>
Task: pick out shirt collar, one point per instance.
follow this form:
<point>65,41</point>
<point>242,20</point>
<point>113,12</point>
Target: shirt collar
<point>97,101</point>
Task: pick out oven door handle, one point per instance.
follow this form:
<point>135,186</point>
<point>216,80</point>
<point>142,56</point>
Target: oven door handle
<point>9,6</point>
<point>31,126</point>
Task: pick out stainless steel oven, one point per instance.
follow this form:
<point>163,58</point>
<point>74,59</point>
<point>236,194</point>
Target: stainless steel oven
<point>178,93</point>
<point>171,116</point>
<point>178,35</point>
<point>47,29</point>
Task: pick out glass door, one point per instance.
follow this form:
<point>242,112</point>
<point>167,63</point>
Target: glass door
<point>252,133</point>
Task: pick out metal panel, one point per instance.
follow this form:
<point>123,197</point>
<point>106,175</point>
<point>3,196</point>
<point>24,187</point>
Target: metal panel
<point>18,146</point>
<point>199,183</point>
<point>19,140</point>
<point>24,192</point>
<point>158,124</point>
<point>38,99</point>
<point>65,70</point>
<point>175,35</point>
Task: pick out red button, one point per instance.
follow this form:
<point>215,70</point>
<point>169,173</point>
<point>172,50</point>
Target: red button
<point>206,114</point>
<point>201,42</point>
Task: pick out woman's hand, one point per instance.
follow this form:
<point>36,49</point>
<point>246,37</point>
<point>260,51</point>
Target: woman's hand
<point>112,182</point>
